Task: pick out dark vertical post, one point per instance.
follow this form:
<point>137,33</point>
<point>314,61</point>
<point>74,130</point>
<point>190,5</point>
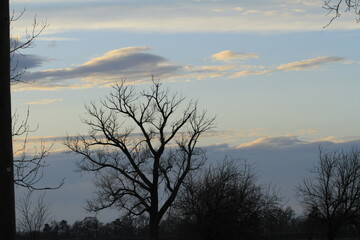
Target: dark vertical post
<point>7,198</point>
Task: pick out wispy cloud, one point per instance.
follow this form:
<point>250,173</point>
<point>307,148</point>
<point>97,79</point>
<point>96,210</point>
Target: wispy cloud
<point>291,141</point>
<point>302,65</point>
<point>137,65</point>
<point>229,56</point>
<point>247,73</point>
<point>272,142</point>
<point>179,16</point>
<point>56,39</point>
<point>132,63</point>
<point>45,101</point>
<point>308,63</point>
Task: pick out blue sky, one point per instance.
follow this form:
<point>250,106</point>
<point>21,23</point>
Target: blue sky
<point>267,69</point>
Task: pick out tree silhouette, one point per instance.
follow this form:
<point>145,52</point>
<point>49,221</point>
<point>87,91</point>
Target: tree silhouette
<point>333,192</point>
<point>141,172</point>
<point>29,164</point>
<point>27,169</point>
<point>335,7</point>
<point>225,201</point>
<point>33,215</point>
<point>7,200</point>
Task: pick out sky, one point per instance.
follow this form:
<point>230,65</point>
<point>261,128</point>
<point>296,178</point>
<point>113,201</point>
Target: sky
<point>278,82</point>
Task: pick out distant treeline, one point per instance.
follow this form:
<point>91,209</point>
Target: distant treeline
<point>279,224</point>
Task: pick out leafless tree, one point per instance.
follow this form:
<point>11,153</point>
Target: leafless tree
<point>8,74</point>
<point>337,6</point>
<point>141,145</point>
<point>29,163</point>
<point>333,190</point>
<point>17,45</point>
<point>225,201</point>
<point>33,215</point>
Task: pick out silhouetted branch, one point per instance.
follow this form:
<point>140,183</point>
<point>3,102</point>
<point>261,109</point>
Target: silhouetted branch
<point>130,166</point>
<point>16,45</point>
<point>29,165</point>
<point>334,6</point>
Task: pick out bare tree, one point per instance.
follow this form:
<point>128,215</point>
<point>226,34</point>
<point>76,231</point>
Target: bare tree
<point>225,201</point>
<point>29,164</point>
<point>8,74</point>
<point>337,6</point>
<point>17,45</point>
<point>333,191</point>
<point>33,215</point>
<point>142,171</point>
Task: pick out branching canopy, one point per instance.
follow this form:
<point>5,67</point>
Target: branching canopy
<point>141,146</point>
<point>334,188</point>
<point>337,6</point>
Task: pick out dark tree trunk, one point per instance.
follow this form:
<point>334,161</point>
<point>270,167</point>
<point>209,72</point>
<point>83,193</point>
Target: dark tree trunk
<point>154,227</point>
<point>7,199</point>
<point>330,234</point>
<point>154,209</point>
<point>154,215</point>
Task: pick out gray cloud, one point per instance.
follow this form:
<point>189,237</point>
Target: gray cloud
<point>26,61</point>
<point>136,65</point>
<point>281,161</point>
<point>131,63</point>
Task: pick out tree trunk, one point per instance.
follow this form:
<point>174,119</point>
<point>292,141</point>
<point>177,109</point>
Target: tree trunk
<point>330,234</point>
<point>154,227</point>
<point>154,216</point>
<point>7,198</point>
<point>154,209</point>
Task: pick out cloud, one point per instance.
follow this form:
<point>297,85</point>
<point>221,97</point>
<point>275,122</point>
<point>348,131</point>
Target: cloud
<point>247,73</point>
<point>308,63</point>
<point>282,161</point>
<point>279,142</point>
<point>284,164</point>
<point>293,66</point>
<point>26,61</point>
<point>253,11</point>
<point>132,63</point>
<point>137,66</point>
<point>272,142</point>
<point>57,39</point>
<point>45,101</point>
<point>307,131</point>
<point>228,56</point>
<point>304,2</point>
<point>208,16</point>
